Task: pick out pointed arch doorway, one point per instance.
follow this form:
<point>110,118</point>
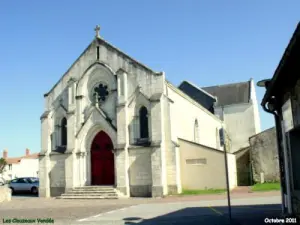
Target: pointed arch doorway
<point>102,160</point>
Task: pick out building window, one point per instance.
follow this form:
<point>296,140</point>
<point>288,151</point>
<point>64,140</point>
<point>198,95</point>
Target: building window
<point>100,93</point>
<point>217,138</point>
<point>9,167</point>
<point>201,161</point>
<point>144,127</point>
<point>196,131</point>
<point>64,132</point>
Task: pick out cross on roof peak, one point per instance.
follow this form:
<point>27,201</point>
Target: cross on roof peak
<point>97,30</point>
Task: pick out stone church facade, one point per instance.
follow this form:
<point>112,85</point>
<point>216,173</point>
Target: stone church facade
<point>111,120</point>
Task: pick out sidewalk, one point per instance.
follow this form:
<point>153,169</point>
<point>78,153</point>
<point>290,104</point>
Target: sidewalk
<point>242,189</point>
<point>233,195</point>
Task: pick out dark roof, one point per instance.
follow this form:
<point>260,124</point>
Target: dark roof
<point>287,72</point>
<point>198,95</point>
<point>229,94</point>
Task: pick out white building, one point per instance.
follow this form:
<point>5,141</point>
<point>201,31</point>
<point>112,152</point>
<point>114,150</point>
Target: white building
<point>111,120</point>
<point>24,166</point>
<point>235,104</point>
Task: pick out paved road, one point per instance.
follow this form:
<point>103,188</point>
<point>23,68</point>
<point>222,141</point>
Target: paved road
<point>244,211</point>
<point>183,210</point>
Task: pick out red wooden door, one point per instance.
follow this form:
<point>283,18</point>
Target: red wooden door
<point>102,160</point>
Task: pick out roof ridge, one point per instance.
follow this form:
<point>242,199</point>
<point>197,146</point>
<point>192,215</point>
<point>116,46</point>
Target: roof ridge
<point>187,97</point>
<point>97,39</point>
<point>14,157</point>
<point>233,93</point>
<point>128,56</point>
<point>24,156</point>
<point>33,154</point>
<point>228,84</point>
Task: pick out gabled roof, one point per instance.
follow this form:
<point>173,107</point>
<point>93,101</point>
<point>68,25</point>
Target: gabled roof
<point>13,160</point>
<point>188,98</point>
<point>99,40</point>
<point>199,95</point>
<point>229,94</point>
<point>16,160</point>
<point>134,61</point>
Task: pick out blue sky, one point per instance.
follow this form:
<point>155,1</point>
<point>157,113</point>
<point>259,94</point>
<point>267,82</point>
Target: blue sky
<point>205,42</point>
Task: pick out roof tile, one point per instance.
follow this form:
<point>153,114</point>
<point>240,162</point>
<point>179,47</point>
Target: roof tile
<point>16,160</point>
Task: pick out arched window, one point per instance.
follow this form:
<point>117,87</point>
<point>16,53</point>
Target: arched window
<point>144,128</point>
<point>64,132</point>
<point>196,131</point>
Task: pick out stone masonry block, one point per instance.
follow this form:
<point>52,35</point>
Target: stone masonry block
<point>157,191</point>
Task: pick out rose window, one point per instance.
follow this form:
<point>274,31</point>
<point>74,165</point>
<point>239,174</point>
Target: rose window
<point>100,93</point>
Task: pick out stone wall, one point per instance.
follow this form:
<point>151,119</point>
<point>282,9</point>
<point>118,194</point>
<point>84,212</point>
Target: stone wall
<point>5,194</point>
<point>138,74</point>
<point>240,124</point>
<point>203,167</point>
<point>140,176</point>
<point>244,177</point>
<point>264,156</point>
<point>57,174</point>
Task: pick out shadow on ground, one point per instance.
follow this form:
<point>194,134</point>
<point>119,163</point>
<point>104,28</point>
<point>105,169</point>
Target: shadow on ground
<point>241,215</point>
<point>24,194</point>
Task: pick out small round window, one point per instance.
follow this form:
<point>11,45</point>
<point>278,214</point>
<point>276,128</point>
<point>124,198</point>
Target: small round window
<point>99,93</point>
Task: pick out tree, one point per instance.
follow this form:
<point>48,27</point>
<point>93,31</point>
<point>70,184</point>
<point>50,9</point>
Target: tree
<point>2,165</point>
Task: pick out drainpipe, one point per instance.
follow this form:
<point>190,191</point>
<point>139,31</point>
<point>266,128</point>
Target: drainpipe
<point>286,165</point>
<point>281,139</point>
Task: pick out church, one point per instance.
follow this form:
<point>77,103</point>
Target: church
<point>111,121</point>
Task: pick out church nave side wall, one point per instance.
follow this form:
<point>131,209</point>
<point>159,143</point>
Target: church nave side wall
<point>185,113</point>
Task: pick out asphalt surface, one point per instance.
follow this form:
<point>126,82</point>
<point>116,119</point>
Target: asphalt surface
<point>244,211</point>
<point>249,209</point>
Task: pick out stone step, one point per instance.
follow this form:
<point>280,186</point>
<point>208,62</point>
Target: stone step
<point>93,191</point>
<point>88,194</point>
<point>87,197</point>
<point>101,187</point>
<point>112,186</point>
<point>93,188</point>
